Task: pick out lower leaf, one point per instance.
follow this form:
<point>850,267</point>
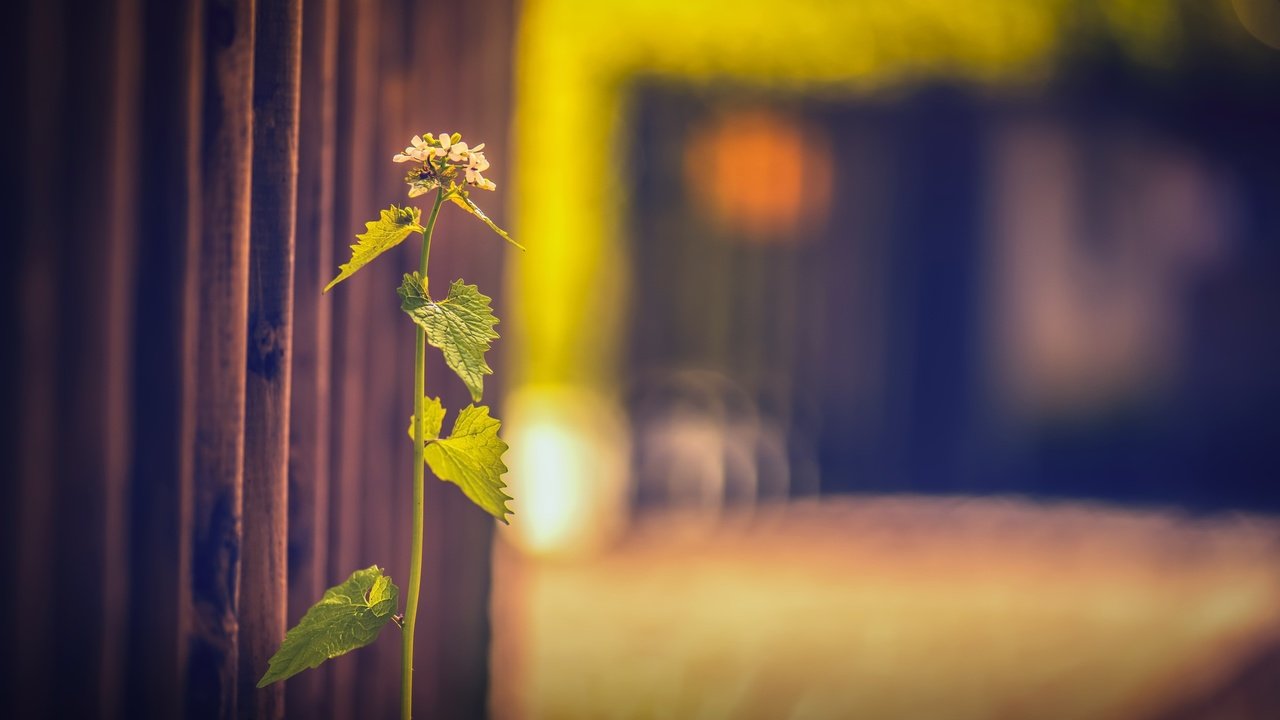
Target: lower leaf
<point>349,616</point>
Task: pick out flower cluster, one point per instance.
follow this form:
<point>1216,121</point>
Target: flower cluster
<point>441,158</point>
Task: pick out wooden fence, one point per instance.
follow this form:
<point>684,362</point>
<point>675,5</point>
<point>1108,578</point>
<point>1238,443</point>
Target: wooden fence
<point>198,442</point>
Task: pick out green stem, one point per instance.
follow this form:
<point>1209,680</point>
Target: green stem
<point>419,473</point>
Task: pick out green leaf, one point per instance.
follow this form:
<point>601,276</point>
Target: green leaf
<point>433,411</point>
<point>349,616</point>
<point>464,201</point>
<point>471,458</point>
<point>461,325</point>
<point>390,229</point>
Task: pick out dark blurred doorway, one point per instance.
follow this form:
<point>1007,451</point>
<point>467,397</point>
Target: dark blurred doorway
<point>1066,294</point>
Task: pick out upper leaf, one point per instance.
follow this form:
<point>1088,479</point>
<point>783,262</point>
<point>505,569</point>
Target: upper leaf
<point>462,200</point>
<point>390,229</point>
<point>461,325</point>
<point>349,616</point>
<point>471,457</point>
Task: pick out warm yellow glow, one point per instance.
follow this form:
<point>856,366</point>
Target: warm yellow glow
<point>568,466</point>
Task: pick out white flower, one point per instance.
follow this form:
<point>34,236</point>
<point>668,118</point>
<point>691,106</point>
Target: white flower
<point>418,150</point>
<point>475,178</point>
<point>476,164</point>
<point>445,141</point>
<point>451,148</point>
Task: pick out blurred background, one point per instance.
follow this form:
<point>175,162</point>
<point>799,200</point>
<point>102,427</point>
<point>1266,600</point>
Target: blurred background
<point>869,359</point>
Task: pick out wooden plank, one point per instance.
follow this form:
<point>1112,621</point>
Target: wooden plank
<point>357,92</point>
<point>440,30</point>
<point>15,78</point>
<point>73,333</point>
<point>222,277</point>
<point>70,365</point>
<point>385,527</point>
<point>310,397</point>
<point>164,358</point>
<point>277,51</point>
<point>121,244</point>
<point>37,345</point>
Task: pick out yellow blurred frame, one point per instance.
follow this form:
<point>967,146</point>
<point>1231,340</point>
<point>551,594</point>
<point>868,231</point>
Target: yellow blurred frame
<point>576,60</point>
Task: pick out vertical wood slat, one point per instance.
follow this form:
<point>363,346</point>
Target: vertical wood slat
<point>77,600</point>
<point>88,460</point>
<point>469,97</point>
<point>222,275</point>
<point>470,573</point>
<point>264,567</point>
<point>72,288</point>
<point>14,81</point>
<point>44,65</point>
<point>121,222</point>
<point>164,358</point>
<point>436,106</point>
<point>387,455</point>
<point>356,102</point>
<point>498,581</point>
<point>310,397</point>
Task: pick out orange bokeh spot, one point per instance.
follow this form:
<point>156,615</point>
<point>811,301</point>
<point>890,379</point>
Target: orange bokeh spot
<point>761,174</point>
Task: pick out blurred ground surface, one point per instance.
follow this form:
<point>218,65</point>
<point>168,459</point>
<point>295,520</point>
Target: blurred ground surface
<point>897,608</point>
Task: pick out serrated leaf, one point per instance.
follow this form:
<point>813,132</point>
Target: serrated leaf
<point>390,229</point>
<point>349,616</point>
<point>466,203</point>
<point>433,411</point>
<point>461,325</point>
<point>471,458</point>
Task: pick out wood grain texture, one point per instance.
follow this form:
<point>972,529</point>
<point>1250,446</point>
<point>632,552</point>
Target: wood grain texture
<point>120,219</point>
<point>225,471</point>
<point>222,280</point>
<point>312,340</point>
<point>387,457</point>
<point>36,462</point>
<point>14,80</point>
<point>354,162</point>
<point>163,369</point>
<point>264,568</point>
